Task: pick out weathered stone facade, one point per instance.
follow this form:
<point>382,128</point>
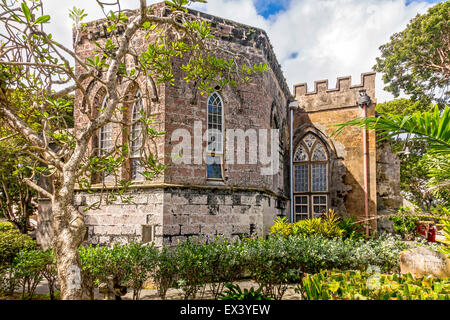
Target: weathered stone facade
<point>182,202</point>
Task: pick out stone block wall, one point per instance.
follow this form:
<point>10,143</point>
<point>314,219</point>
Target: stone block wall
<point>389,198</point>
<point>123,222</point>
<point>213,212</point>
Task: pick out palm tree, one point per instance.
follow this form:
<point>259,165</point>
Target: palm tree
<point>432,127</point>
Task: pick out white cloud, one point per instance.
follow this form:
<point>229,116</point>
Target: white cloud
<point>333,38</point>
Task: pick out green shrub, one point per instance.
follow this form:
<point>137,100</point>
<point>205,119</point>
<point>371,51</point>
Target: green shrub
<point>6,226</point>
<point>327,225</point>
<point>11,243</point>
<point>165,272</point>
<point>273,264</point>
<point>353,285</point>
<point>192,273</point>
<point>404,225</point>
<point>234,292</point>
<point>223,264</point>
<point>104,265</point>
<point>352,228</point>
<point>142,260</point>
<point>29,268</point>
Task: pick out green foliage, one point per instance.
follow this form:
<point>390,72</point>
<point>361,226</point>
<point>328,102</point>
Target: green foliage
<point>234,292</point>
<point>354,285</point>
<point>273,264</point>
<point>416,60</point>
<point>327,225</point>
<point>165,273</point>
<point>6,226</point>
<point>29,267</point>
<point>352,228</point>
<point>431,127</point>
<point>446,248</point>
<point>142,260</point>
<point>104,265</point>
<point>403,107</point>
<point>404,224</point>
<point>223,263</point>
<point>11,243</point>
<point>15,196</point>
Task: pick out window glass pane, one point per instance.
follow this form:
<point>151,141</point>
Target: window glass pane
<point>300,154</point>
<point>214,167</point>
<point>319,177</point>
<point>136,138</point>
<point>215,124</point>
<point>309,140</point>
<point>319,153</point>
<point>301,178</point>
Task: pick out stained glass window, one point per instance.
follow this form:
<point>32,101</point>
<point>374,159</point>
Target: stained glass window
<point>136,137</point>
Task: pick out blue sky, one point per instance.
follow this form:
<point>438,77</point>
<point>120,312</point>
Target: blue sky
<point>267,8</point>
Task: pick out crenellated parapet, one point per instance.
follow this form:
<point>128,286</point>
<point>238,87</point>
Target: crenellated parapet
<point>343,95</point>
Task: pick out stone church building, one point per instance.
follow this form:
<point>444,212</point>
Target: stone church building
<point>316,172</point>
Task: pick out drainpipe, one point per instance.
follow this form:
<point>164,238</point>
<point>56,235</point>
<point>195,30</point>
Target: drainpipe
<point>364,101</point>
<point>292,105</point>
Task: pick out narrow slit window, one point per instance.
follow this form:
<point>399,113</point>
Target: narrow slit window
<point>105,142</point>
<point>136,138</point>
<point>215,124</point>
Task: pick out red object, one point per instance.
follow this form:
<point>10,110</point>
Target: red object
<point>431,237</point>
<point>422,229</point>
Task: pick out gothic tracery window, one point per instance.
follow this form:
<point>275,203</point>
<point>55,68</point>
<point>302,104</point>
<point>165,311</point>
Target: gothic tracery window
<point>310,172</point>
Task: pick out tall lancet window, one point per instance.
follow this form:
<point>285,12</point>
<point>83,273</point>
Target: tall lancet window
<point>136,138</point>
<point>105,142</point>
<point>310,172</point>
<point>215,119</point>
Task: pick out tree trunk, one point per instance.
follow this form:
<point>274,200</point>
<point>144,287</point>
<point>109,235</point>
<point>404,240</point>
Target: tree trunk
<point>69,230</point>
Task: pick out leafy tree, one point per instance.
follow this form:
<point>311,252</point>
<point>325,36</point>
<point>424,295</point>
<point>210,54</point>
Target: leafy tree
<point>416,60</point>
<point>34,64</point>
<point>416,166</point>
<point>16,197</point>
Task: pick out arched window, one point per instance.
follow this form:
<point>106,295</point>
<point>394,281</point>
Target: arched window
<point>310,173</point>
<point>105,141</point>
<point>215,137</point>
<point>136,138</point>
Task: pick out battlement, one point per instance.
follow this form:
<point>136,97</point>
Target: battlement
<point>342,84</point>
<point>344,95</point>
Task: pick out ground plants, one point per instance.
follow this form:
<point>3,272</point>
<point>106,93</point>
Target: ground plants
<point>355,285</point>
<point>326,225</point>
<point>234,292</point>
